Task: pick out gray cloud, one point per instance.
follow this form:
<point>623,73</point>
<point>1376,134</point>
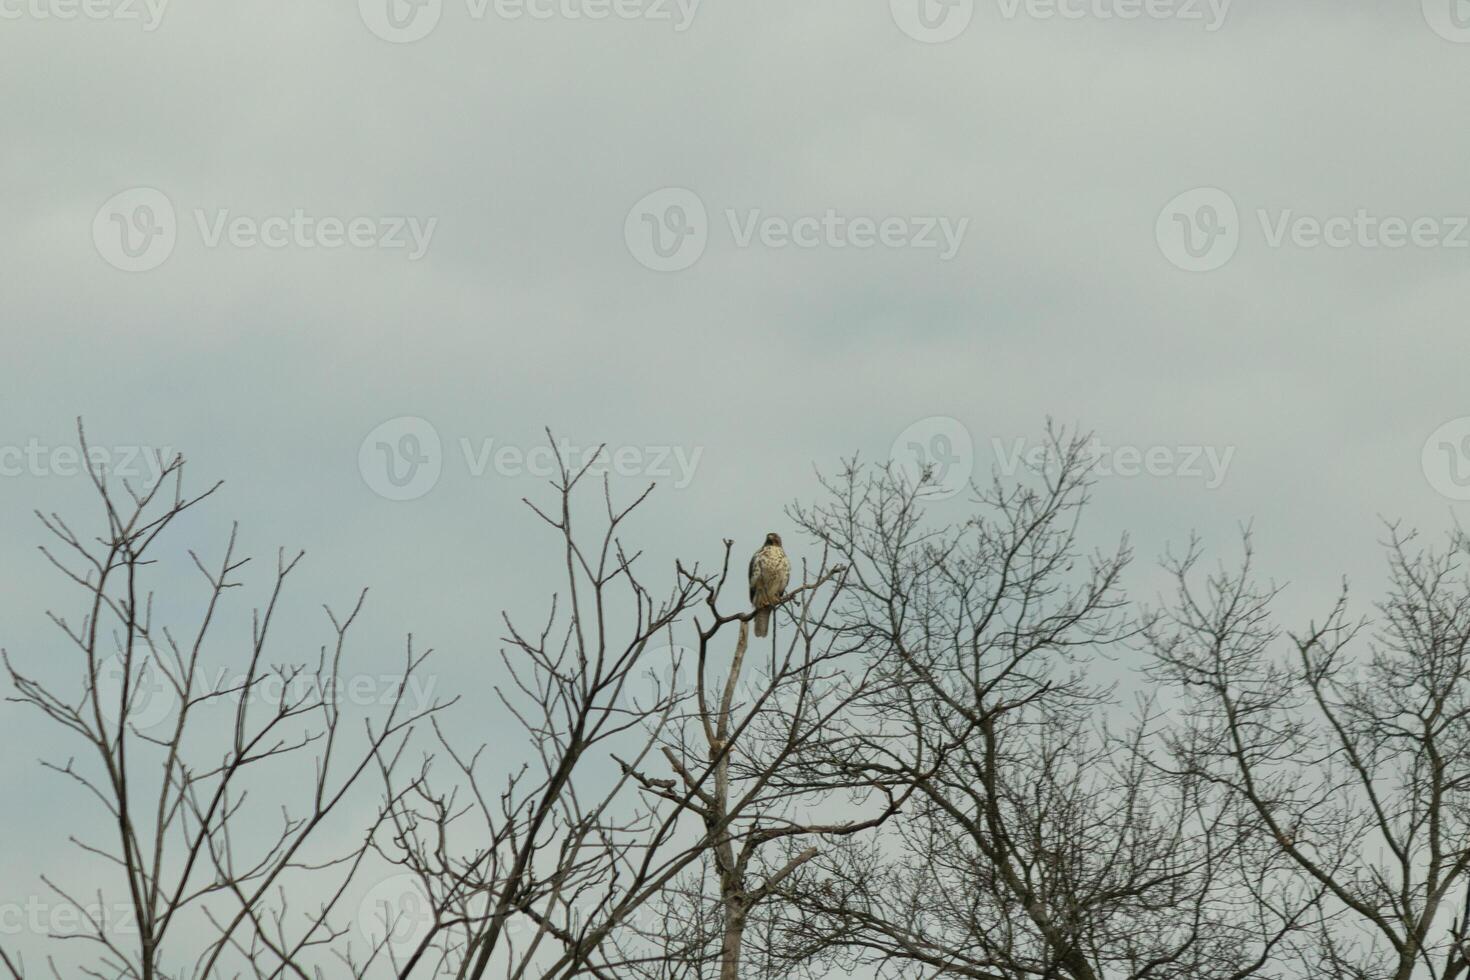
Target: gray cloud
<point>1059,140</point>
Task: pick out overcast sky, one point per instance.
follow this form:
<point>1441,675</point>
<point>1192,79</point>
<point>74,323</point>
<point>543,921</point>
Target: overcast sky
<point>341,253</point>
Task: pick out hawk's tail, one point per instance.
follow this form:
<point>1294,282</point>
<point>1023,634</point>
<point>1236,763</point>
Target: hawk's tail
<point>762,622</point>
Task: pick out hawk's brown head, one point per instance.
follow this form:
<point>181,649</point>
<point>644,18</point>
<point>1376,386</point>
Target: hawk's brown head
<point>773,539</point>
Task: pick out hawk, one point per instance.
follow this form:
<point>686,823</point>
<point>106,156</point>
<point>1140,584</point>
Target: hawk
<point>770,570</point>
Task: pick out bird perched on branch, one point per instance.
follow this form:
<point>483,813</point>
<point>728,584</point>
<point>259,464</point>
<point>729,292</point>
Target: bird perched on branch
<point>770,570</point>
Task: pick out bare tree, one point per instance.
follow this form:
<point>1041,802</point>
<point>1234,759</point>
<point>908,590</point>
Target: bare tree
<point>527,875</point>
<point>1350,744</point>
<point>770,723</point>
<point>928,771</point>
<point>1037,844</point>
<point>632,786</point>
<point>554,873</point>
<point>173,752</point>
